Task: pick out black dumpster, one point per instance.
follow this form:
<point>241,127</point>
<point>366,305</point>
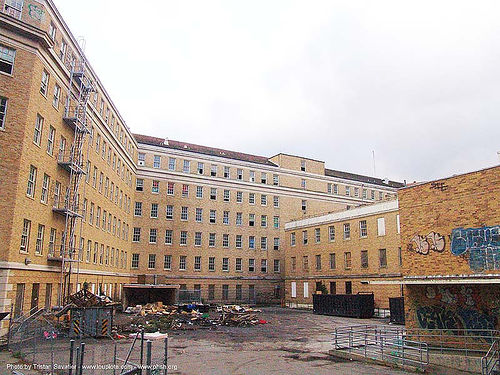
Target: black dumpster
<point>361,305</point>
<point>397,307</point>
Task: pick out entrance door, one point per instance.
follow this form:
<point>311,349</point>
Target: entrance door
<point>34,296</point>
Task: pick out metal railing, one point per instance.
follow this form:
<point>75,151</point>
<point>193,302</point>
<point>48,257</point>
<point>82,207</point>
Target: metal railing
<point>490,362</point>
<point>382,343</point>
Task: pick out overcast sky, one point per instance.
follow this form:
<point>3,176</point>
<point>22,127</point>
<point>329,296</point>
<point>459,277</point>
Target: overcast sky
<point>416,81</point>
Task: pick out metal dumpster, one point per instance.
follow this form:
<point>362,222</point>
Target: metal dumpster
<point>91,321</point>
<point>361,305</point>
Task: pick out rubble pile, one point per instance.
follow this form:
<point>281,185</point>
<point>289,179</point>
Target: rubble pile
<point>156,317</point>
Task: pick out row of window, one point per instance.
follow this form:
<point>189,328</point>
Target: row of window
<point>363,231</point>
<point>332,262</point>
<point>106,221</point>
<point>319,287</point>
<point>104,255</point>
<point>197,263</point>
<point>212,239</point>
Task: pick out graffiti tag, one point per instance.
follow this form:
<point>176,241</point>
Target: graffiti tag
<point>481,245</point>
<point>423,244</point>
<point>437,317</point>
<point>35,12</point>
<point>439,186</point>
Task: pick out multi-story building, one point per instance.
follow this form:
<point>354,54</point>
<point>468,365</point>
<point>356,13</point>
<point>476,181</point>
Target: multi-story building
<point>85,201</point>
<point>450,233</point>
<point>213,220</point>
<point>344,252</point>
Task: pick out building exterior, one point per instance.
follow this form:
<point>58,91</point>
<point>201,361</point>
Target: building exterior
<point>81,191</point>
<point>344,252</point>
<point>451,244</point>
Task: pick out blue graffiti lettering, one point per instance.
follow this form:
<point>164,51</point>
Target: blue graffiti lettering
<point>483,245</point>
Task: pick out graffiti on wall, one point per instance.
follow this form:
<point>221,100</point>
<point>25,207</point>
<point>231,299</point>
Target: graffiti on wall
<point>35,12</point>
<point>423,244</point>
<point>455,307</point>
<point>480,246</point>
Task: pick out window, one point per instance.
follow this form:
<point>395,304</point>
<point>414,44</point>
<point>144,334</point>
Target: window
<point>263,178</point>
<point>303,165</point>
<point>347,231</point>
<point>138,209</point>
<point>39,239</point>
<point>157,161</point>
<point>305,263</point>
<point>276,180</point>
<point>7,56</point>
<point>182,263</point>
<point>364,259</point>
<point>382,256</point>
<point>37,135</point>
<point>365,193</point>
<point>251,265</point>
<point>318,262</point>
<point>14,8</point>
<point>398,225</point>
<point>372,195</point>
<point>184,213</point>
<point>167,262</point>
<point>227,195</point>
<point>44,84</point>
<point>52,31</point>
<point>381,226</point>
<point>141,157</point>
<point>211,291</point>
<point>304,205</point>
<point>136,237</point>
<point>238,241</point>
<point>57,96</point>
<point>263,243</point>
<point>52,244</point>
<point>154,210</point>
<point>211,239</point>
<point>45,188</point>
<point>333,263</point>
<point>197,239</point>
<point>213,193</point>
<point>263,200</point>
<point>30,190</point>
<point>329,188</point>
<point>348,287</point>
<point>25,236</point>
<point>276,201</point>
<point>276,243</point>
<point>183,238</point>
<point>168,237</point>
<point>251,176</point>
<point>294,263</point>
<point>363,231</point>
<point>185,190</point>
<point>400,256</point>
<point>251,220</point>
<point>152,261</point>
<point>317,235</point>
<point>225,291</point>
<point>348,191</point>
<point>303,183</point>
<point>263,221</point>
<point>197,263</point>
<point>62,51</point>
<point>294,289</point>
<point>251,198</point>
<point>225,264</point>
<point>356,192</point>
<point>170,188</point>
<point>331,233</point>
<point>292,239</point>
<point>199,215</point>
<point>251,242</point>
<point>238,265</point>
<point>304,237</point>
<point>225,218</point>
<point>200,168</point>
<point>239,218</point>
<point>155,186</point>
<point>263,265</point>
<point>211,264</point>
<point>199,191</point>
<point>276,222</point>
<point>169,212</point>
<point>239,174</point>
<point>135,261</point>
<point>139,183</point>
<point>212,217</point>
<point>213,170</point>
<point>171,164</point>
<point>347,260</point>
<point>3,113</point>
<point>186,166</point>
<point>227,173</point>
<point>239,197</point>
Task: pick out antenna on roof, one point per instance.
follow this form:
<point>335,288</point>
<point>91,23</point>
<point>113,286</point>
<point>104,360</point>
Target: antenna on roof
<point>374,170</point>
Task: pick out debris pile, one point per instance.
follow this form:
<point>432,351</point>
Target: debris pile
<point>156,317</point>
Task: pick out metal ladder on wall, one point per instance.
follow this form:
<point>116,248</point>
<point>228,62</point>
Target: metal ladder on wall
<point>75,116</point>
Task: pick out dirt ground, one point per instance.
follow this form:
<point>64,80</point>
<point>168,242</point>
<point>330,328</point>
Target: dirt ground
<point>293,342</point>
